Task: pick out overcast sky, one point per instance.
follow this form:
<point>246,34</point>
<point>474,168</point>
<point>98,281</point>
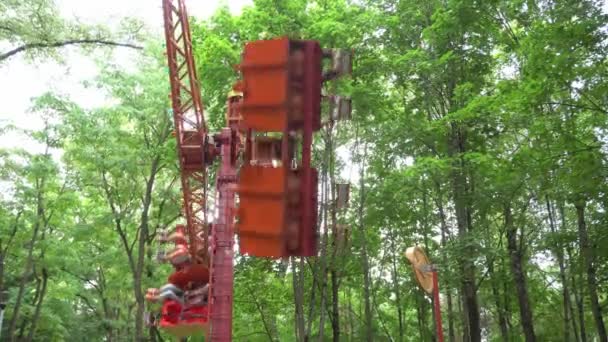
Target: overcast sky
<point>21,81</point>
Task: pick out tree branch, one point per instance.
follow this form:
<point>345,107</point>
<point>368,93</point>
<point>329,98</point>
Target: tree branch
<point>91,282</point>
<point>259,307</point>
<point>32,46</point>
<point>595,107</point>
<point>87,302</point>
<point>250,334</point>
<point>4,250</point>
<point>7,29</point>
<point>117,219</point>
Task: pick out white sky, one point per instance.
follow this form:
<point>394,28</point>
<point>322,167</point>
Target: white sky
<point>21,81</point>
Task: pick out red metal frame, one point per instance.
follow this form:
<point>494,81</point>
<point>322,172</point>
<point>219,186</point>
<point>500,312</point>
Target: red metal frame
<point>222,251</point>
<point>437,306</point>
<point>195,154</point>
<point>312,122</point>
<point>190,129</point>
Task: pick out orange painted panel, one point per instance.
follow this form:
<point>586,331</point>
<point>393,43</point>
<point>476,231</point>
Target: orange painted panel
<point>259,180</point>
<point>265,52</point>
<point>261,216</point>
<point>265,75</point>
<point>261,247</point>
<point>265,87</point>
<point>261,201</point>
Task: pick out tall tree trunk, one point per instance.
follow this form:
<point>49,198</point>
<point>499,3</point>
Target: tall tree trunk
<point>423,324</point>
<point>578,297</point>
<point>298,293</point>
<point>369,332</point>
<point>26,319</point>
<point>577,336</point>
<point>324,252</point>
<point>315,268</point>
<point>396,289</point>
<point>467,267</point>
<point>457,144</point>
<point>3,300</point>
<point>559,253</point>
<point>29,260</point>
<point>351,321</point>
<point>444,241</point>
<point>421,329</point>
<point>426,230</point>
<point>260,308</point>
<point>461,315</point>
<point>506,292</point>
<point>502,320</point>
<point>3,252</point>
<point>141,252</point>
<point>152,329</point>
<point>451,330</point>
<point>2,296</point>
<point>45,277</point>
<point>588,259</point>
<point>335,322</point>
<point>562,215</point>
<point>311,307</point>
<point>108,314</point>
<point>22,328</point>
<point>515,256</point>
<point>335,282</point>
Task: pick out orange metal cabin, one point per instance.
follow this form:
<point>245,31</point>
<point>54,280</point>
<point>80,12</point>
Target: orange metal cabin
<point>281,94</point>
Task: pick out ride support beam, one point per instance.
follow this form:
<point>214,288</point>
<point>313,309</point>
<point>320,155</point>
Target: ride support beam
<point>190,129</point>
<point>222,245</point>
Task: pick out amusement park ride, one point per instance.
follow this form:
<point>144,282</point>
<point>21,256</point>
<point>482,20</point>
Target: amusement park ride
<point>265,189</point>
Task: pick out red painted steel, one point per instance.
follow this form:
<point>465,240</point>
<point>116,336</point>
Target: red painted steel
<point>312,122</point>
<point>190,129</point>
<point>222,254</point>
<point>195,154</point>
<point>437,305</point>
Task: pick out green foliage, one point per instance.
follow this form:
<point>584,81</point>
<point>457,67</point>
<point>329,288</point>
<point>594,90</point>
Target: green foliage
<point>36,28</point>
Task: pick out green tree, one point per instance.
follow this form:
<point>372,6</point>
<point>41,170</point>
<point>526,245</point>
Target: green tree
<point>36,28</point>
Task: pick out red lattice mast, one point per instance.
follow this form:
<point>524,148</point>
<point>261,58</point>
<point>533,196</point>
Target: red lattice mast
<point>190,128</point>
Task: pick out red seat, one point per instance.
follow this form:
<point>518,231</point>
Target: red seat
<point>196,273</point>
<point>192,321</point>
